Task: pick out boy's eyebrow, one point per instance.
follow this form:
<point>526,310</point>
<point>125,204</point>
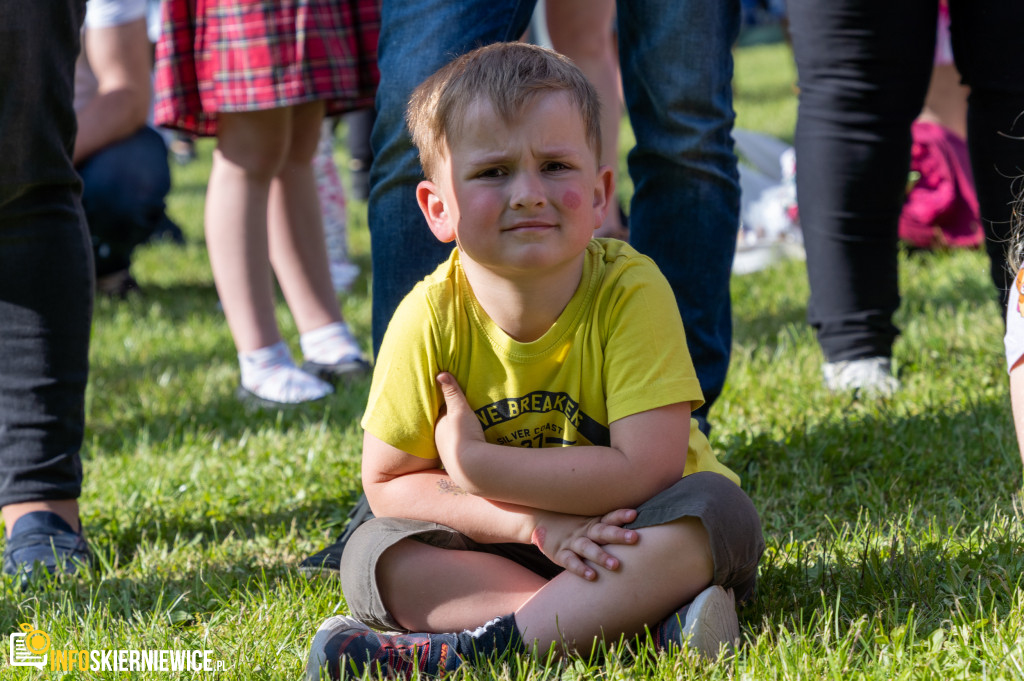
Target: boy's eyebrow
<point>496,157</point>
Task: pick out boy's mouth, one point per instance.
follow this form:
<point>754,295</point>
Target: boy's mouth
<point>529,226</point>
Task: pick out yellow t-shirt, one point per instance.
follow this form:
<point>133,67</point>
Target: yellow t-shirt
<point>617,349</point>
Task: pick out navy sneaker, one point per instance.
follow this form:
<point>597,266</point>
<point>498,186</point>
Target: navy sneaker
<point>42,539</point>
<point>707,625</point>
<point>345,646</point>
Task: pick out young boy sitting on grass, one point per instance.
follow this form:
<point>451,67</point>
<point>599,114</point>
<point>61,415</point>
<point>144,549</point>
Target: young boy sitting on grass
<point>528,452</point>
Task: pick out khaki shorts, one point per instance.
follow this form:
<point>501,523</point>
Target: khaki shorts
<point>728,515</point>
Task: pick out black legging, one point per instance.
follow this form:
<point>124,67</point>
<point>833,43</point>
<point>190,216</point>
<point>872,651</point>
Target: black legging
<point>864,68</point>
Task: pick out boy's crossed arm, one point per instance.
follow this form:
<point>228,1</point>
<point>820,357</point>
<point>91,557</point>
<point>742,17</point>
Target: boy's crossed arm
<point>402,485</point>
<point>647,455</point>
<point>569,501</point>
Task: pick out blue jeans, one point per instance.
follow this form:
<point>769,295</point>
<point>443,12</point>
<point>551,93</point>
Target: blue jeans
<point>125,185</point>
<point>46,269</point>
<point>677,74</point>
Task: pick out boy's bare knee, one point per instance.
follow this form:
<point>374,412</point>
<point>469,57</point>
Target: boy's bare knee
<point>695,548</point>
<point>396,574</point>
<point>396,561</point>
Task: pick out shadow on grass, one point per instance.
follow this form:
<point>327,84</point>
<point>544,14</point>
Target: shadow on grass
<point>133,609</point>
<point>888,578</point>
<point>214,585</point>
<point>177,303</point>
<point>947,466</point>
<point>753,325</point>
<point>883,514</point>
<point>222,417</point>
<point>164,527</point>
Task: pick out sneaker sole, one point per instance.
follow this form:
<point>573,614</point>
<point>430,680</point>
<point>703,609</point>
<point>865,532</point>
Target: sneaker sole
<point>315,665</point>
<point>715,623</point>
<point>252,401</point>
<point>341,372</point>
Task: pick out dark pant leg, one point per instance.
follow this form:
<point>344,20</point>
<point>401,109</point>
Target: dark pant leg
<point>987,37</point>
<point>864,67</point>
<point>46,281</point>
<point>124,187</point>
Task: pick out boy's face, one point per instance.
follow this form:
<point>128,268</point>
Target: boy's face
<point>519,197</point>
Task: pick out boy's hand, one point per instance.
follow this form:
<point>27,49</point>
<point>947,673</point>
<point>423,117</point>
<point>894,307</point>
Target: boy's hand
<point>576,542</point>
<point>456,427</point>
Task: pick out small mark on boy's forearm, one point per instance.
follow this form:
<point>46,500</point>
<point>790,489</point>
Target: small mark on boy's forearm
<point>448,487</point>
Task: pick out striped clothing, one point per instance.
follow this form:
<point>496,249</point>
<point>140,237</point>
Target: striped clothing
<point>253,55</point>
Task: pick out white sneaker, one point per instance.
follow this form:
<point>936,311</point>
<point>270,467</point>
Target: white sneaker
<point>870,377</point>
<point>707,625</point>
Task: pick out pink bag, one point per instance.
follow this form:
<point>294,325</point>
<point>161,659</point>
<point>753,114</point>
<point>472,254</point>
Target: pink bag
<point>941,209</point>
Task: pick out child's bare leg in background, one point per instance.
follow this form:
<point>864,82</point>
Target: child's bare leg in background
<point>298,250</point>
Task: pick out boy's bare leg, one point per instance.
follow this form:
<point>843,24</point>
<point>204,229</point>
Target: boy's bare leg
<point>667,568</point>
<point>427,589</point>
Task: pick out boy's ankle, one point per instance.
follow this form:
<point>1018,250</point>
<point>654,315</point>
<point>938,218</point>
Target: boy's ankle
<point>497,637</point>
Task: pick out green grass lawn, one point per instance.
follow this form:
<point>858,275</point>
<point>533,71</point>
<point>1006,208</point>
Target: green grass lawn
<point>893,528</point>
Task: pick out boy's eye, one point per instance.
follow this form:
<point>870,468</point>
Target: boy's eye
<point>491,172</point>
<point>554,166</point>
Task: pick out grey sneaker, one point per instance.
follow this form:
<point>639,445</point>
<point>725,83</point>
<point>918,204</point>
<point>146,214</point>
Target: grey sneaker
<point>870,377</point>
<point>344,646</point>
<point>708,624</point>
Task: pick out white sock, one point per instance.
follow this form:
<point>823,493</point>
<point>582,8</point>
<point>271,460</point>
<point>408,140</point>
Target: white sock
<point>270,373</point>
<point>330,344</point>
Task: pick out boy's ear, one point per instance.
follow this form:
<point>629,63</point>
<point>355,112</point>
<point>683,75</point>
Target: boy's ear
<point>429,198</point>
<point>604,189</point>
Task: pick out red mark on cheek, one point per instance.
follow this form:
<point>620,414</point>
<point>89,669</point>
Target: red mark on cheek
<point>572,200</point>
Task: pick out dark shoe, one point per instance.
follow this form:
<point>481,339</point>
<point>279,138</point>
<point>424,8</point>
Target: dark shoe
<point>345,370</point>
<point>167,230</point>
<point>43,540</point>
<point>706,625</point>
<point>343,646</point>
<point>327,562</point>
<point>118,285</point>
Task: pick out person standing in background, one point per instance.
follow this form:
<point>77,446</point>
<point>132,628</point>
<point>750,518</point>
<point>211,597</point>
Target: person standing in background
<point>864,69</point>
<point>260,76</point>
<point>46,290</point>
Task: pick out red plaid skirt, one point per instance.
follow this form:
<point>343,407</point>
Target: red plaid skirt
<point>251,55</point>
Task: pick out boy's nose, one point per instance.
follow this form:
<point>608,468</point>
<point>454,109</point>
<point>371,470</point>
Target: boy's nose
<point>527,190</point>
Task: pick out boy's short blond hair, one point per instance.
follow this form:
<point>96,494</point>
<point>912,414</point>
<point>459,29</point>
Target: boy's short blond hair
<point>508,76</point>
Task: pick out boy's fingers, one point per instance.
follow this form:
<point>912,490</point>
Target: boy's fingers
<point>588,549</point>
<point>612,534</point>
<point>450,389</point>
<point>574,564</point>
<point>621,516</point>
